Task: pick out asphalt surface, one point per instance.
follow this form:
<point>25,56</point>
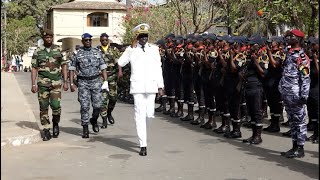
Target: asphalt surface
<point>176,150</point>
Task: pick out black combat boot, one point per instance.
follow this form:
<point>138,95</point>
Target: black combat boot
<point>295,152</point>
<point>225,126</point>
<point>104,122</point>
<point>171,109</point>
<point>287,134</point>
<point>143,151</point>
<point>55,129</point>
<point>189,117</point>
<point>294,146</point>
<point>94,120</point>
<point>257,137</point>
<point>109,115</point>
<point>85,131</point>
<point>211,123</point>
<point>200,119</point>
<point>274,125</point>
<point>179,113</point>
<point>235,133</point>
<point>162,105</point>
<point>243,112</point>
<point>248,140</point>
<point>46,135</point>
<point>131,99</point>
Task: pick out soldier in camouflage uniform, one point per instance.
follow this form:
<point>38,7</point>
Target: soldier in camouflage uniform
<point>294,87</point>
<point>46,62</point>
<point>88,62</point>
<point>111,54</point>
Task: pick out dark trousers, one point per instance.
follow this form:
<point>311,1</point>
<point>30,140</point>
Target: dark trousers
<point>198,87</point>
<point>187,81</point>
<point>167,80</point>
<point>233,98</point>
<point>254,98</point>
<point>313,104</point>
<point>177,81</point>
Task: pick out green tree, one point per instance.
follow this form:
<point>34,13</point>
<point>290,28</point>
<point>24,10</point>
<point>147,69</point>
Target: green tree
<point>20,35</point>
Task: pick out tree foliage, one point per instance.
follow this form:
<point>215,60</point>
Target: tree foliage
<point>20,34</point>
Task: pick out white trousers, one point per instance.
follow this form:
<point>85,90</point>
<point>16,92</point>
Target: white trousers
<point>143,112</point>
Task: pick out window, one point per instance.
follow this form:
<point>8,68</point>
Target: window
<point>98,20</point>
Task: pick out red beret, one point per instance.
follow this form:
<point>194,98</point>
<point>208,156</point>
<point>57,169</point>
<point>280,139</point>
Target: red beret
<point>297,33</point>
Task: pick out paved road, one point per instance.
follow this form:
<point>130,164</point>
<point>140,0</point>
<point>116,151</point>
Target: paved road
<point>176,150</point>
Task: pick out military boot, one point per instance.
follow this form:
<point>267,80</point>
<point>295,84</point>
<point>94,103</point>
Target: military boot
<point>225,126</point>
<point>162,106</point>
<point>243,112</point>
<point>274,125</point>
<point>46,135</point>
<point>200,119</point>
<point>297,152</point>
<point>109,115</point>
<point>85,131</point>
<point>248,140</point>
<point>104,122</point>
<point>235,133</point>
<point>131,100</point>
<point>179,113</point>
<point>287,134</point>
<point>294,146</point>
<point>94,120</point>
<point>171,109</point>
<point>55,128</point>
<point>189,117</point>
<point>211,123</point>
<point>257,136</point>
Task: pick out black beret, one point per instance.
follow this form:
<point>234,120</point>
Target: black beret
<point>104,35</point>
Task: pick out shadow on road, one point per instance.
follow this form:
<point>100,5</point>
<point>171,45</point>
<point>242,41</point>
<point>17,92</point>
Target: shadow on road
<point>28,124</point>
<point>114,140</point>
<point>308,169</point>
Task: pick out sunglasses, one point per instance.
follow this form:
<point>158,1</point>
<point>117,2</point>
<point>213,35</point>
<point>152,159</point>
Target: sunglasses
<point>87,40</point>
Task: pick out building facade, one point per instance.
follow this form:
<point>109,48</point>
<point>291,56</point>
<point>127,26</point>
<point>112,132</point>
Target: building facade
<point>70,20</point>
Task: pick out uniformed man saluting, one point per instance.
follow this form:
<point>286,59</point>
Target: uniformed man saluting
<point>146,80</point>
<point>46,62</point>
<point>88,62</point>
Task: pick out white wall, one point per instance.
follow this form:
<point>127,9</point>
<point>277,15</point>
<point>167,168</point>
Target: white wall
<point>73,23</point>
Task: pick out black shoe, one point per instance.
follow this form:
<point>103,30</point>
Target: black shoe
<point>187,118</point>
<point>248,140</point>
<point>272,128</point>
<point>55,130</point>
<point>287,134</point>
<point>159,109</point>
<point>46,135</point>
<point>177,114</point>
<point>209,125</point>
<point>95,126</point>
<point>256,140</point>
<point>247,124</point>
<point>85,131</point>
<point>222,129</point>
<point>233,134</point>
<point>295,153</point>
<point>143,151</point>
<point>285,124</point>
<point>104,122</point>
<point>110,118</point>
<point>198,121</point>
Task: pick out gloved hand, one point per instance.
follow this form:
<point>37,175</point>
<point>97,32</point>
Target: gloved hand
<point>303,100</point>
<point>105,85</point>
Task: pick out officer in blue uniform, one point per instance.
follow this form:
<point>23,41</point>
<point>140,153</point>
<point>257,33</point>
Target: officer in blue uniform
<point>294,87</point>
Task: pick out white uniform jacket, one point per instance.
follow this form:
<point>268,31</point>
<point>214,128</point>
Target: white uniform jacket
<point>146,72</point>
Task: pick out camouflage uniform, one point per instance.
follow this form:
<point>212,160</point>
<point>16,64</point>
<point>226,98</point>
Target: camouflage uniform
<point>110,98</point>
<point>294,87</point>
<point>88,63</point>
<point>49,82</point>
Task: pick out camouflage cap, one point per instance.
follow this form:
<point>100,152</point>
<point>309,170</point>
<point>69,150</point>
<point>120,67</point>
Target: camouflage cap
<point>46,32</point>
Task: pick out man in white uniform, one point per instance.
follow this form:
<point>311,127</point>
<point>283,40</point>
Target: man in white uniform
<point>146,80</point>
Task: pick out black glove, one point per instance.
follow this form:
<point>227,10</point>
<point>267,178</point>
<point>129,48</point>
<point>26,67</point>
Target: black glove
<point>303,100</point>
